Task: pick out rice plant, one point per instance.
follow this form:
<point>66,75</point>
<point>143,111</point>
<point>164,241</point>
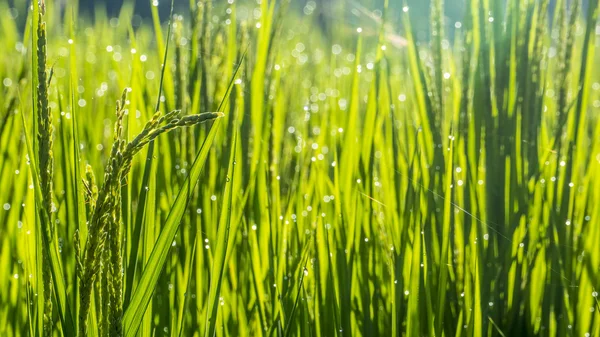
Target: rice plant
<point>300,168</point>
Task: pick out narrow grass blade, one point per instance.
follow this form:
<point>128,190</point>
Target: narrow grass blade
<point>143,292</point>
<point>50,244</point>
<point>220,254</point>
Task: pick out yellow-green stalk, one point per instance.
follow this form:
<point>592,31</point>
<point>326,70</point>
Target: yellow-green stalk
<point>45,158</point>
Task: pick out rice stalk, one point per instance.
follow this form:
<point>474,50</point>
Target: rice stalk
<point>45,158</point>
<point>105,221</point>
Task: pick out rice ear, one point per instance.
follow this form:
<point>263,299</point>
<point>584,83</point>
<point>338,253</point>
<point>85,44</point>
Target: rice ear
<point>105,212</point>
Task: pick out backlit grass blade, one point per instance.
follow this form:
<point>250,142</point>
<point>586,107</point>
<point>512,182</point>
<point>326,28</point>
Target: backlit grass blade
<point>143,193</point>
<point>446,236</point>
<point>185,303</point>
<point>290,319</point>
<point>220,253</point>
<point>50,245</point>
<point>140,298</point>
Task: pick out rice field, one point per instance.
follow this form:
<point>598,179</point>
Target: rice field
<point>300,168</point>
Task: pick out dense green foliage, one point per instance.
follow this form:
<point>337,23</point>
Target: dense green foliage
<point>356,180</point>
